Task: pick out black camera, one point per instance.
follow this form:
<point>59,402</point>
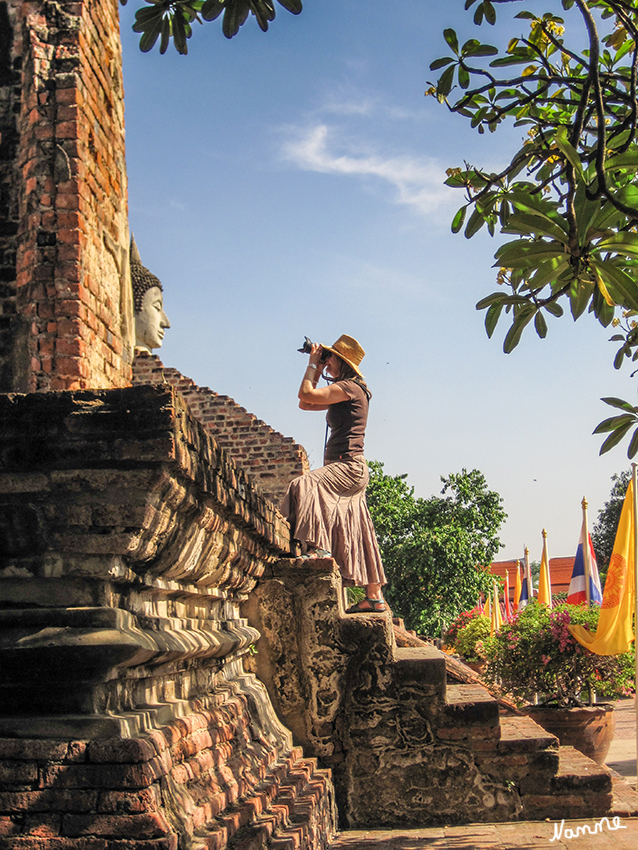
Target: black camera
<point>306,348</point>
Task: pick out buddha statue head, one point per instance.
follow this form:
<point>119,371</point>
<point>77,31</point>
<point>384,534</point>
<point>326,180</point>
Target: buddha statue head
<point>150,318</point>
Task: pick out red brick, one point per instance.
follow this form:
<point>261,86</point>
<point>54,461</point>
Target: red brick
<point>149,825</point>
<point>27,748</point>
<point>125,750</point>
<point>42,826</point>
<point>9,826</point>
<point>18,773</point>
<point>128,802</point>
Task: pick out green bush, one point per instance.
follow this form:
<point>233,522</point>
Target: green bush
<point>535,654</point>
<point>470,640</point>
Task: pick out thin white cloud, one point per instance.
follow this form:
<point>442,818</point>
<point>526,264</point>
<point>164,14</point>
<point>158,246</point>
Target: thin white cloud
<point>416,182</point>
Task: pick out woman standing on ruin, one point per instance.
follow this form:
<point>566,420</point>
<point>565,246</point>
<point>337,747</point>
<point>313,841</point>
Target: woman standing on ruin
<point>327,507</point>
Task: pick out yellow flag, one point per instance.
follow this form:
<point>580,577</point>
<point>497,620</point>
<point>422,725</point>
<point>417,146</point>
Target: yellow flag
<point>615,633</point>
<point>496,621</point>
<point>544,582</point>
<point>517,586</point>
<point>487,608</point>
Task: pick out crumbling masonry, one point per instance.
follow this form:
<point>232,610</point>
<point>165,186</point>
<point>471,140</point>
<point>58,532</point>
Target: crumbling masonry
<point>142,557</point>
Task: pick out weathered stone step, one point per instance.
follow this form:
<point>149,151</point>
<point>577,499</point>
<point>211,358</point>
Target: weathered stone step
<point>420,665</point>
<point>469,705</point>
<point>524,754</point>
<point>295,814</point>
<point>579,789</point>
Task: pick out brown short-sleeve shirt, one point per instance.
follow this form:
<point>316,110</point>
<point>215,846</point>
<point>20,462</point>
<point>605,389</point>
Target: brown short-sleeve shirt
<point>347,421</point>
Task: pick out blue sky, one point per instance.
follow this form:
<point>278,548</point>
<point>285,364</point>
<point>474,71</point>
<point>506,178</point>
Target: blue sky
<point>291,183</point>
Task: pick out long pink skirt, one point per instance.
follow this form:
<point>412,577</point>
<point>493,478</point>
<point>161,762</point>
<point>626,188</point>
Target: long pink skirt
<point>327,508</point>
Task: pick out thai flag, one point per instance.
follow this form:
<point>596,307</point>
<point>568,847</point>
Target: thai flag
<point>527,588</point>
<point>584,564</point>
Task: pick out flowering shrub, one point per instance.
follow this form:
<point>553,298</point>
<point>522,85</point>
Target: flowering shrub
<point>456,626</point>
<point>536,654</point>
<point>469,631</point>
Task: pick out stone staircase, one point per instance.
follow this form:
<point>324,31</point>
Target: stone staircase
<point>406,748</point>
<point>218,777</point>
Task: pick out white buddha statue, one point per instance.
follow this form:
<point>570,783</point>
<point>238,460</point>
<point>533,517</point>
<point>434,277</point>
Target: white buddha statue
<point>150,319</point>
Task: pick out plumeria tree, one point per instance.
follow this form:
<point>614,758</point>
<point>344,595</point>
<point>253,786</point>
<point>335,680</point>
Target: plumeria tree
<point>172,20</point>
<point>568,197</point>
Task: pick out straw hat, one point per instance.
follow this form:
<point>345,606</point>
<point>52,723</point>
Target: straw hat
<point>348,349</point>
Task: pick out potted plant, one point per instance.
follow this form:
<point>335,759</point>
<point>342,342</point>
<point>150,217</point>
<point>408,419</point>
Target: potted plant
<point>535,659</point>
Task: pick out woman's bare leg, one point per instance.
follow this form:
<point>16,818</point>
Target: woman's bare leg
<point>373,591</point>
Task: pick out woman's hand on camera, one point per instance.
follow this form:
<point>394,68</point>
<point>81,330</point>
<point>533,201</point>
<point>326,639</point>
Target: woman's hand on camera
<point>315,355</point>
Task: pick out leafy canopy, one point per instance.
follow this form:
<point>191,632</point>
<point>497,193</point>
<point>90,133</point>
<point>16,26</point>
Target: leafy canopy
<point>568,197</point>
<point>435,550</point>
<point>173,19</point>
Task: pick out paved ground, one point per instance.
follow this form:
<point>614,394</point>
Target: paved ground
<point>613,833</point>
<point>622,753</point>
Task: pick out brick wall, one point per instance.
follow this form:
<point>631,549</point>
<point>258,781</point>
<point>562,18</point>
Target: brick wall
<point>272,459</point>
<point>128,539</point>
<point>65,305</point>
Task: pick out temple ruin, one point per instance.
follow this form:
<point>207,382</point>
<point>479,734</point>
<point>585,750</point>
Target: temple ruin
<point>171,675</point>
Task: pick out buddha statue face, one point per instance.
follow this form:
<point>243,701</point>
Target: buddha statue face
<point>151,321</point>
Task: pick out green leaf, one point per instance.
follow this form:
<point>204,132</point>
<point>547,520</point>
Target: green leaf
<point>459,218</point>
<point>464,77</point>
<point>619,243</point>
<point>622,288</point>
<point>294,6</point>
<point>521,320</point>
<point>179,33</point>
<point>212,9</point>
<point>490,299</point>
<point>628,160</point>
<point>612,423</point>
<point>475,223</point>
<point>540,324</point>
<point>491,318</point>
<point>445,82</point>
<point>535,224</point>
<point>490,12</point>
<point>450,36</point>
<point>619,359</point>
<point>633,445</point>
<point>613,439</point>
<point>441,63</point>
<point>569,151</point>
<point>547,273</point>
<point>150,35</point>
<point>580,294</point>
<point>526,254</point>
<point>620,403</point>
<point>554,308</point>
<point>166,35</point>
<point>484,50</point>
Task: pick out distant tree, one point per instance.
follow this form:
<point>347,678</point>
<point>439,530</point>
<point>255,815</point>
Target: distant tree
<point>173,19</point>
<point>604,531</point>
<point>435,551</point>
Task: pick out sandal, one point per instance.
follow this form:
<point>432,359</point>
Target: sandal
<point>316,553</point>
<point>367,606</point>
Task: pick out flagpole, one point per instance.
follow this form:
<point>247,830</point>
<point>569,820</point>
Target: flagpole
<point>634,476</point>
<point>586,553</point>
